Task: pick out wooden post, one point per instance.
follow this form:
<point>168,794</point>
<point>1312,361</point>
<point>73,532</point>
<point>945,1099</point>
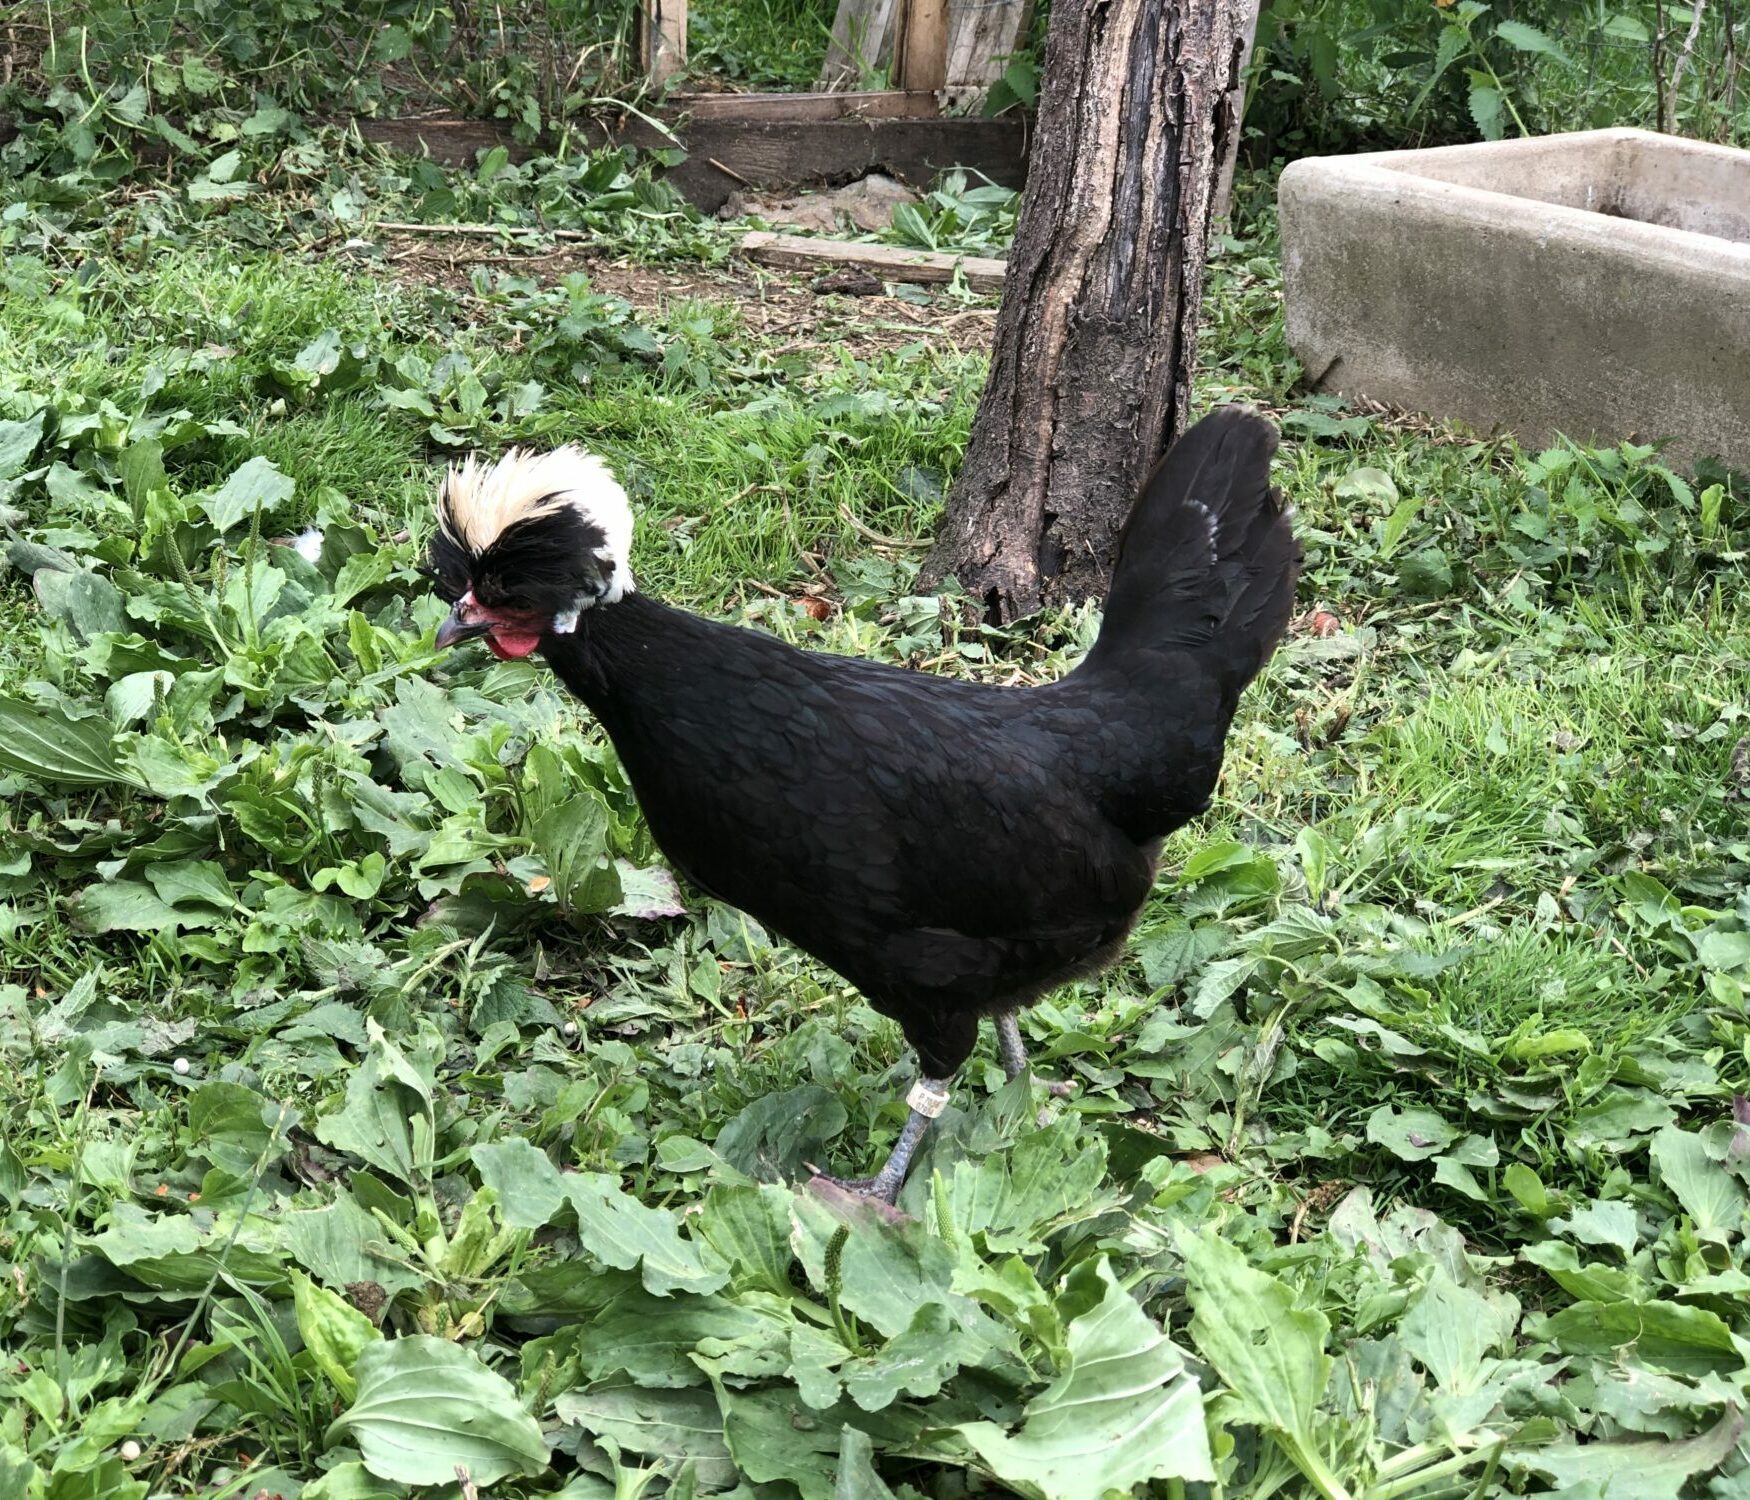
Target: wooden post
<point>662,27</point>
<point>982,38</point>
<point>859,37</point>
<point>922,50</point>
<point>1234,113</point>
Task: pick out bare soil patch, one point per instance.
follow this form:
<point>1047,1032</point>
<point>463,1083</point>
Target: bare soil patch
<point>777,306</point>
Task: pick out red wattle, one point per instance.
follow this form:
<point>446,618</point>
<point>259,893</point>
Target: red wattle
<point>511,645</point>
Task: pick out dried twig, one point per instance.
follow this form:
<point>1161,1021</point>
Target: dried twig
<point>875,536</point>
<point>494,231</point>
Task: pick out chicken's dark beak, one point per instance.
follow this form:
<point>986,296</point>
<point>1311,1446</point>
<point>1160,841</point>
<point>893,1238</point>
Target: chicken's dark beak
<point>456,629</point>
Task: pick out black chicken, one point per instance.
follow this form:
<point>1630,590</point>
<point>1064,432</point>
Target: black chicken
<point>953,849</point>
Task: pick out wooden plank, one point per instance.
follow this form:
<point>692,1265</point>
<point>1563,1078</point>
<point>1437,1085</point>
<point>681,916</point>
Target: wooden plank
<point>726,155</point>
<point>445,138</point>
<point>890,262</point>
<point>922,49</point>
<point>880,104</point>
<point>859,36</point>
<point>662,26</point>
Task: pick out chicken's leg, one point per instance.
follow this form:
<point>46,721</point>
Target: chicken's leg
<point>928,1098</point>
<point>1014,1055</point>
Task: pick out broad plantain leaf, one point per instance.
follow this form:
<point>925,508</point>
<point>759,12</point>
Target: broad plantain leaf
<point>334,1331</point>
<point>1710,1195</point>
<point>674,1426</point>
<point>256,485</point>
<point>1655,1470</point>
<point>426,1407</point>
<point>52,746</point>
<point>1267,1347</point>
<point>530,1188</point>
<point>1122,1411</point>
<point>621,1232</point>
<point>856,1478</point>
<point>1669,1336</point>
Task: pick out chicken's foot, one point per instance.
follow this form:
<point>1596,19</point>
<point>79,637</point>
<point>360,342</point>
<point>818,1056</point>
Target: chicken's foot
<point>1014,1055</point>
<point>928,1098</point>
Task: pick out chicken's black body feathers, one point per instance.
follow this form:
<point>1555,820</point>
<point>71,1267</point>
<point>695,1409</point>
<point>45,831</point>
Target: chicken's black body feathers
<point>955,849</point>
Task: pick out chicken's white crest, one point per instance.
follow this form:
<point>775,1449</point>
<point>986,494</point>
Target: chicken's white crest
<point>482,501</point>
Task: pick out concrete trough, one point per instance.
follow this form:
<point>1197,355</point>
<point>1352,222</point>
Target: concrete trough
<point>1595,285</point>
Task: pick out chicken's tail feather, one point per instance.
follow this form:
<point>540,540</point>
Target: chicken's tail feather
<point>1208,557</point>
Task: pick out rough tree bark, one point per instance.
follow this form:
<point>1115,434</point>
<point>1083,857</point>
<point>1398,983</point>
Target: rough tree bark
<point>1091,373</point>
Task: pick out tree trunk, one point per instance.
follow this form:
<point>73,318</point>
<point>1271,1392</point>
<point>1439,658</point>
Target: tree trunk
<point>1095,343</point>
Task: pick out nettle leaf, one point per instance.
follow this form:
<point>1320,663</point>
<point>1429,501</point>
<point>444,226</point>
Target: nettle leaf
<point>1122,1411</point>
<point>1606,1221</point>
<point>334,1331</point>
<point>389,1118</point>
<point>1524,38</point>
<point>1267,1347</point>
<point>1487,109</point>
<point>1410,1134</point>
<point>621,1232</point>
<point>256,486</point>
<point>1710,1195</point>
<point>1169,955</point>
<point>1014,1199</point>
<point>426,1407</point>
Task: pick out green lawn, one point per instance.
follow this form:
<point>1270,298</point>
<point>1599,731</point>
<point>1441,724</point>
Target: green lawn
<point>366,1112</point>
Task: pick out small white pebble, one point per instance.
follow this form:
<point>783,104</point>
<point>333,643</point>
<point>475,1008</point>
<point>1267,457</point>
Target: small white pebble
<point>569,1028</point>
<point>180,1067</point>
<point>130,1450</point>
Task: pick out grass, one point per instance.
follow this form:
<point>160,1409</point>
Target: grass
<point>356,1057</point>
